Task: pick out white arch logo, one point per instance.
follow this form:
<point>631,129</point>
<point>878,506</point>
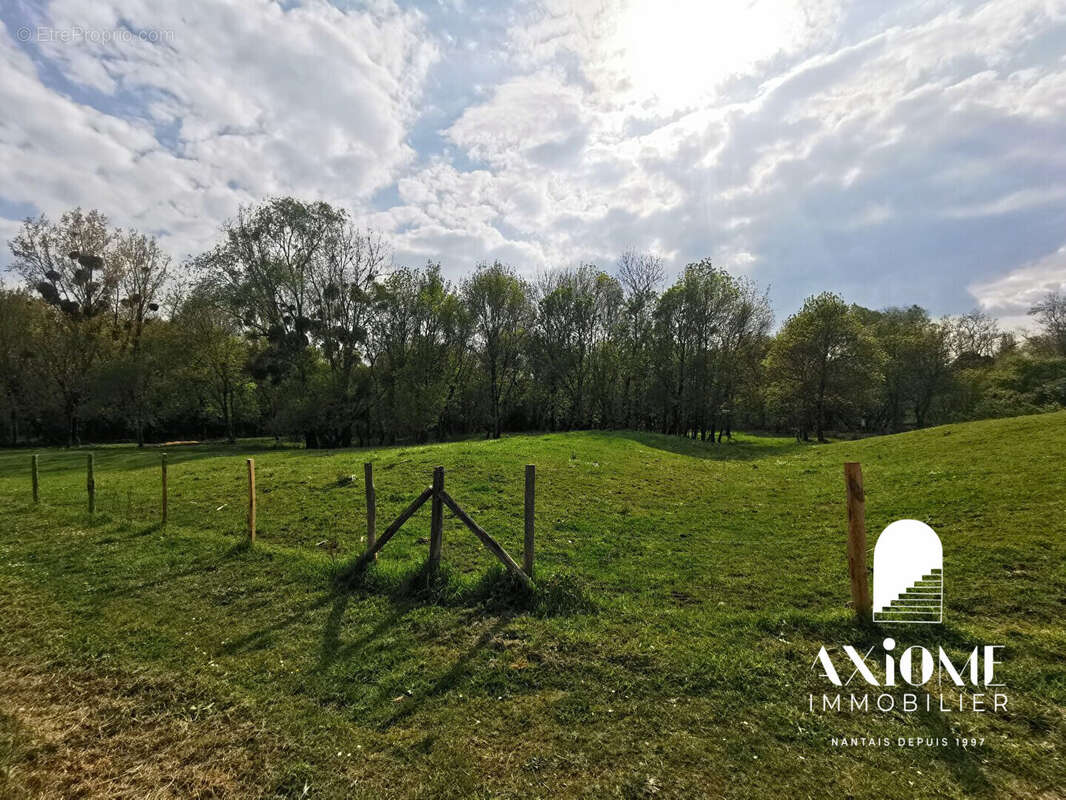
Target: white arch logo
<point>908,574</point>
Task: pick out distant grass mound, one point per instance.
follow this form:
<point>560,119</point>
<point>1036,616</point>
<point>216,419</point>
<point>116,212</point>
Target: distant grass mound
<point>684,590</point>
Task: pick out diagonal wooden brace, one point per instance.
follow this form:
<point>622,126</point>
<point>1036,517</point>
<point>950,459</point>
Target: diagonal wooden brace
<point>391,530</point>
<point>493,546</point>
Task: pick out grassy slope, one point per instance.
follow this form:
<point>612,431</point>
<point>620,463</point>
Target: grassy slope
<point>717,573</point>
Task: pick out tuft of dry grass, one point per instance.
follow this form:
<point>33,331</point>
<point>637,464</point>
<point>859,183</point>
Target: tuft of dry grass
<point>74,734</point>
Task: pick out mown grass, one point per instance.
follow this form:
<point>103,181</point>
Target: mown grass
<point>684,590</point>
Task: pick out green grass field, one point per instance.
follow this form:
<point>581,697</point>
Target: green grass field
<point>142,662</point>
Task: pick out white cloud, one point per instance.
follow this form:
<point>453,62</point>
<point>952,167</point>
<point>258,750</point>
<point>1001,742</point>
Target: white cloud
<point>1008,203</point>
<point>1011,296</point>
<point>259,100</point>
<point>534,118</point>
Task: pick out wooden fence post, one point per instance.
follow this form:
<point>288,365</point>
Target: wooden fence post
<point>163,466</point>
<point>90,484</point>
<point>371,507</point>
<point>251,499</point>
<point>36,485</point>
<point>436,523</point>
<point>860,589</point>
<point>531,481</point>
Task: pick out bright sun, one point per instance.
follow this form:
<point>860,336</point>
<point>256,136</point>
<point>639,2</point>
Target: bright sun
<point>676,52</point>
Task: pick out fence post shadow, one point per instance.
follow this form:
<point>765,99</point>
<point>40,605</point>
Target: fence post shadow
<point>452,676</point>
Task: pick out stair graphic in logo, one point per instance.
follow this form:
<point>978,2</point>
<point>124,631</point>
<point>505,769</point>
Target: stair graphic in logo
<point>923,601</point>
<point>908,574</point>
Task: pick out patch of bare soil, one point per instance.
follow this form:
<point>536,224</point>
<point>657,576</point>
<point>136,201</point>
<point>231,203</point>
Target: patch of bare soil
<point>66,734</point>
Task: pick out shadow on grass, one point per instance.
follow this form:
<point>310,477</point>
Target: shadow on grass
<point>242,545</point>
<point>840,629</point>
<point>496,590</point>
<point>453,676</point>
<point>748,448</point>
<point>408,590</point>
<point>262,637</point>
<point>332,650</point>
<point>964,763</point>
<point>120,457</point>
<point>125,532</point>
<point>197,567</point>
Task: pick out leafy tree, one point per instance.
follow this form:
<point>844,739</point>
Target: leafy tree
<point>65,263</point>
<point>298,276</point>
<point>823,365</point>
<point>703,325</point>
<point>974,338</point>
<point>741,338</point>
<point>578,315</point>
<point>1017,383</point>
<point>297,325</point>
<point>133,385</point>
<point>141,269</point>
<point>916,367</point>
<point>419,337</point>
<point>1050,312</point>
<point>102,286</point>
<point>217,358</point>
<point>640,275</point>
<point>498,304</point>
<point>22,319</point>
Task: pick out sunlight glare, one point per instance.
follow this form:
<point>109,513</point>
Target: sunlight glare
<point>676,52</point>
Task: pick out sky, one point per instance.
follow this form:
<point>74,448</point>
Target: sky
<point>895,153</point>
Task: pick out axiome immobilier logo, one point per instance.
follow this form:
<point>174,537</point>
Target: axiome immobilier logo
<point>908,590</point>
<point>908,574</point>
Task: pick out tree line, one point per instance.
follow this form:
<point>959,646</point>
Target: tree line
<point>295,324</point>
